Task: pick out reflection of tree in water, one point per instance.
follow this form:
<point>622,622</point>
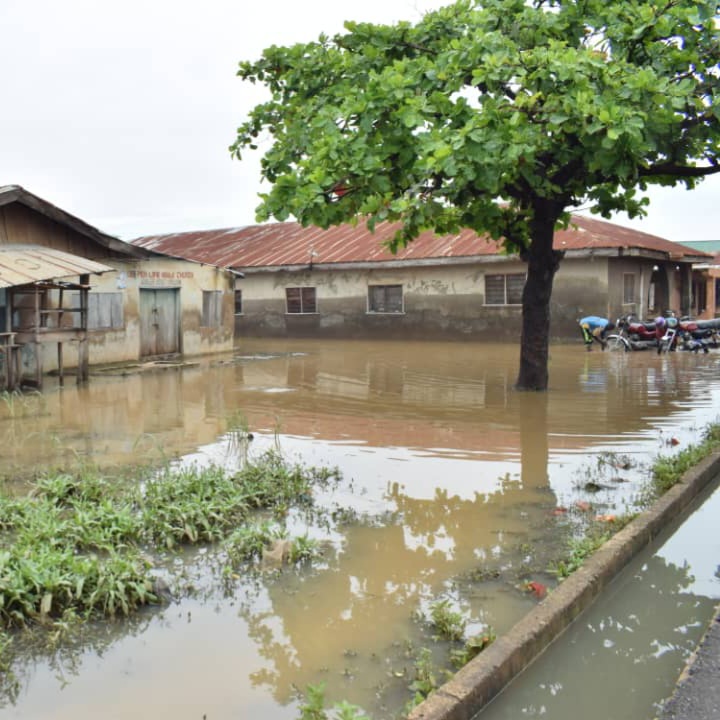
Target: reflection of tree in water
<point>357,614</point>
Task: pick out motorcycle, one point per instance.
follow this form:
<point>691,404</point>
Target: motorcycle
<point>632,334</point>
<point>665,334</point>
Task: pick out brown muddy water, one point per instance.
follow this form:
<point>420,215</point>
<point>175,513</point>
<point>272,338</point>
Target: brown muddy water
<point>451,488</point>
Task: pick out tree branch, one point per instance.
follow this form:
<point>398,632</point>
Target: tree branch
<point>683,171</point>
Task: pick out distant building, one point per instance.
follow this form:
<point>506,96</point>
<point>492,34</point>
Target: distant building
<point>706,284</point>
<point>72,296</point>
<point>343,282</point>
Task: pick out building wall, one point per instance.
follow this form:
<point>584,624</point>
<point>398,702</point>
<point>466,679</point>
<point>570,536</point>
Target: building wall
<point>448,300</point>
<point>442,301</point>
<point>190,280</point>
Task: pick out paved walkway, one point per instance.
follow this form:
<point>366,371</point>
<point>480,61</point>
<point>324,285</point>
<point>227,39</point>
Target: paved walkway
<point>697,694</point>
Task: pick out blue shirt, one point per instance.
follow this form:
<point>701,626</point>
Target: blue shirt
<point>592,322</point>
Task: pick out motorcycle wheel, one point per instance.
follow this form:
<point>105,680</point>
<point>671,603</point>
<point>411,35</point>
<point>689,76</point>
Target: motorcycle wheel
<point>616,343</point>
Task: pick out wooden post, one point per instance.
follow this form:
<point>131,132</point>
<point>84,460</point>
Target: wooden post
<point>83,350</point>
<point>61,377</point>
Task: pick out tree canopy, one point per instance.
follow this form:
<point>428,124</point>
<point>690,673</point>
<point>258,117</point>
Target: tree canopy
<point>495,115</point>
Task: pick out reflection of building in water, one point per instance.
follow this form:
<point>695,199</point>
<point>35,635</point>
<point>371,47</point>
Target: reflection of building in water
<point>594,377</point>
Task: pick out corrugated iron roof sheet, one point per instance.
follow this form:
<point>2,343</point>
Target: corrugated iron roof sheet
<point>282,244</point>
<point>23,264</point>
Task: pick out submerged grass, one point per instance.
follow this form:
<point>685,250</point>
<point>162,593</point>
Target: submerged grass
<point>79,545</point>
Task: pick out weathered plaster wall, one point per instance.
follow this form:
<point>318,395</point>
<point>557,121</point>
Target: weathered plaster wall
<point>439,302</point>
<point>123,344</point>
<point>580,289</point>
<point>443,301</point>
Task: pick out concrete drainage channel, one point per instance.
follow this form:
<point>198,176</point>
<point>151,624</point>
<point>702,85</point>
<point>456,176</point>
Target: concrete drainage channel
<point>484,677</point>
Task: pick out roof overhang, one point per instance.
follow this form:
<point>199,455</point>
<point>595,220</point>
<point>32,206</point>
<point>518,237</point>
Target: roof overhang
<point>15,193</point>
<point>26,264</point>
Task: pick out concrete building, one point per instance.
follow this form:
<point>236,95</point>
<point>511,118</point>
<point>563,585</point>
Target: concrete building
<point>706,279</point>
<point>343,282</point>
<point>72,296</point>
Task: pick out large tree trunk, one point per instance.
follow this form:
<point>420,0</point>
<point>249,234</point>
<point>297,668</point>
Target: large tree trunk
<point>543,263</point>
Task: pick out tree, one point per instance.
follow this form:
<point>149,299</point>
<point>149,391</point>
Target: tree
<point>496,115</point>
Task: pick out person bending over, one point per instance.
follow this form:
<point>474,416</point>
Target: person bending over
<point>595,329</point>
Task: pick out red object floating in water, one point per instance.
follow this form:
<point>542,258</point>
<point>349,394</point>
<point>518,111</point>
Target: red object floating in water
<point>537,589</point>
<point>560,510</point>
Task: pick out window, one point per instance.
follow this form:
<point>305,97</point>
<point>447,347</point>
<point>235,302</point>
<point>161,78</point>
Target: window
<point>238,302</point>
<point>385,298</point>
<point>300,300</point>
<point>212,308</point>
<point>104,310</point>
<point>504,289</point>
<point>628,288</point>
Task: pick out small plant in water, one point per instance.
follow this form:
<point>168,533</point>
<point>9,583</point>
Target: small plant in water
<point>473,647</point>
<point>425,682</point>
<point>449,623</point>
<point>314,707</point>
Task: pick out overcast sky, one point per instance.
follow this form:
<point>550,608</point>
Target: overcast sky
<point>122,112</point>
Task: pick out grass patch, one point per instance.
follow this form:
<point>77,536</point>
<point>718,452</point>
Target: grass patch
<point>78,545</point>
<point>667,470</point>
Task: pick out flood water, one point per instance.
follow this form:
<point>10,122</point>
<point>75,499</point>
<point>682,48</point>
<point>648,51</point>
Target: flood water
<point>453,480</point>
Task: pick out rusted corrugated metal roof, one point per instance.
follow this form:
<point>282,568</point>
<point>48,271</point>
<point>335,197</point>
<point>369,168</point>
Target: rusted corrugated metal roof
<point>287,244</point>
<point>23,264</point>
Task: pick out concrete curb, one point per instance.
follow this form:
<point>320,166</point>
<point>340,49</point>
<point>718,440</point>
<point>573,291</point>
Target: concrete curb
<point>472,687</point>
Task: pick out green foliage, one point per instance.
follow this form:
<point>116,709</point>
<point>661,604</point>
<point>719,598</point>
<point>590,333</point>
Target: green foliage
<point>668,470</point>
<point>270,482</point>
<point>578,551</point>
<point>73,544</point>
<point>449,623</point>
<point>248,542</point>
<point>425,681</point>
<point>498,116</point>
<point>303,549</point>
<point>432,123</point>
<point>472,648</point>
<point>314,707</point>
<point>191,505</point>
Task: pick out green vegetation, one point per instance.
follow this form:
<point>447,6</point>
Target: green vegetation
<point>667,470</point>
<point>425,681</point>
<point>80,544</point>
<point>500,116</point>
<point>449,623</point>
<point>579,550</point>
<point>314,707</point>
<point>472,648</point>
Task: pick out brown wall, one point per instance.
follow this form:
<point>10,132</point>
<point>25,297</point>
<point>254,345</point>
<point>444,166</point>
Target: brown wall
<point>22,225</point>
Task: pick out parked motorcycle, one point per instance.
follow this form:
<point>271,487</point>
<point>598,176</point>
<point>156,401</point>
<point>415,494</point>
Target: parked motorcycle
<point>665,333</point>
<point>632,334</point>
